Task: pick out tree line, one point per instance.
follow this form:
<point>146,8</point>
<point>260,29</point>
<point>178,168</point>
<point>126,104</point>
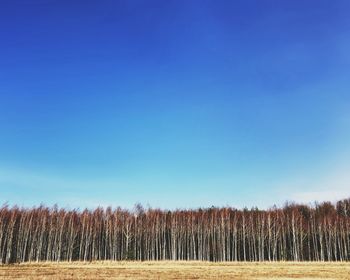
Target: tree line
<point>294,232</point>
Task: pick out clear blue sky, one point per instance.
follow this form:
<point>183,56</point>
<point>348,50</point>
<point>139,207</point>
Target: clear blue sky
<point>174,103</point>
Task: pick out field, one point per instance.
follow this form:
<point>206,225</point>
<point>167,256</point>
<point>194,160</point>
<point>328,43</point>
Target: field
<point>176,270</point>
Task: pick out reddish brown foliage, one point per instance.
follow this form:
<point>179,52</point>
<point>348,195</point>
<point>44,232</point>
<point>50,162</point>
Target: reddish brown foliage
<point>295,232</point>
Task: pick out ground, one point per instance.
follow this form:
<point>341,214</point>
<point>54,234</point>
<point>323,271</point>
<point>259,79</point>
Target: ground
<point>175,270</point>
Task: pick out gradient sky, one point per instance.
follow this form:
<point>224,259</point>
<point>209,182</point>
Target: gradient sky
<point>174,103</point>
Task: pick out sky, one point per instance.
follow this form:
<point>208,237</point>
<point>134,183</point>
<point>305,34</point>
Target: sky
<point>174,104</point>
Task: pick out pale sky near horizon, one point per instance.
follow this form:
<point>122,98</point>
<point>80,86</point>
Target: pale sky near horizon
<point>174,104</point>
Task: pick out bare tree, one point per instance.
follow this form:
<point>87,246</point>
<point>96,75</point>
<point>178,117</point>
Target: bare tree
<point>294,232</point>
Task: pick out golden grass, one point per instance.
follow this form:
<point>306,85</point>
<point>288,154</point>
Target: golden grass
<point>176,270</point>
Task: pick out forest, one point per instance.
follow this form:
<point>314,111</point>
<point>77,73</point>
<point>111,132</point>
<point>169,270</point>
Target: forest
<point>294,232</point>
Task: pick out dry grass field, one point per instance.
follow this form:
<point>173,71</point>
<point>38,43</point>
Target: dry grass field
<point>175,270</point>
